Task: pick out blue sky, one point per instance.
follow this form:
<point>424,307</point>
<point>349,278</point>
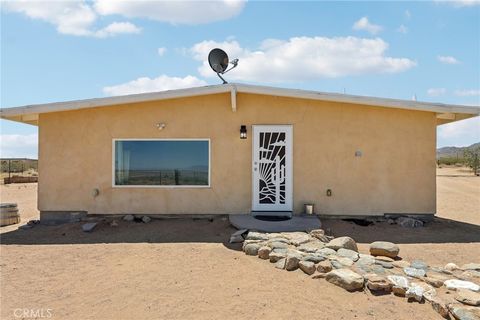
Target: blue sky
<point>56,51</point>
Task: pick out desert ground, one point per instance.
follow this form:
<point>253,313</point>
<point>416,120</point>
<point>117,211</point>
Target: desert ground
<point>185,269</point>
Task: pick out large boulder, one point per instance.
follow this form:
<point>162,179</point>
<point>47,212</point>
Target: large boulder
<point>277,244</point>
<point>419,264</point>
<point>384,248</point>
<point>469,297</point>
<point>291,262</point>
<point>253,235</point>
<point>471,266</point>
<point>342,242</point>
<point>440,306</point>
<point>414,273</point>
<point>465,313</point>
<point>346,279</point>
<point>311,246</point>
<point>379,283</point>
<point>275,256</point>
<point>326,252</point>
<point>314,257</point>
<point>324,266</point>
<point>400,284</point>
<point>307,266</point>
<point>454,284</point>
<point>319,234</point>
<point>296,238</point>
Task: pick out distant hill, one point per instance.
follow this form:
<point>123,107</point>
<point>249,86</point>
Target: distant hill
<point>449,152</point>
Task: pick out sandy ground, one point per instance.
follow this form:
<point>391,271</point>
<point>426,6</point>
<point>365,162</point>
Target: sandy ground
<point>172,269</point>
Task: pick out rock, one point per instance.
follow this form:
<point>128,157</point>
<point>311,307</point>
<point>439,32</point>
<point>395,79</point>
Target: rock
<point>314,257</point>
<point>451,267</point>
<point>280,264</point>
<point>439,306</point>
<point>259,242</point>
<point>296,238</point>
<point>435,280</point>
<point>319,275</point>
<point>469,274</point>
<point>400,284</point>
<point>327,252</point>
<point>291,262</point>
<point>324,266</point>
<point>471,266</point>
<point>129,217</point>
<point>465,313</point>
<point>252,235</point>
<point>365,260</point>
<point>379,283</point>
<point>414,292</point>
<point>401,264</point>
<point>346,279</point>
<point>384,248</point>
<point>264,252</point>
<point>469,297</point>
<point>276,256</point>
<point>413,272</point>
<point>311,246</point>
<point>391,221</point>
<point>88,227</point>
<point>454,284</point>
<point>347,253</point>
<point>386,265</point>
<point>277,245</point>
<point>307,266</point>
<point>418,264</point>
<point>146,219</point>
<point>251,249</point>
<point>319,234</point>
<point>345,262</point>
<point>342,242</point>
<point>407,222</point>
<point>383,258</point>
<point>114,223</point>
<point>237,236</point>
<point>25,227</point>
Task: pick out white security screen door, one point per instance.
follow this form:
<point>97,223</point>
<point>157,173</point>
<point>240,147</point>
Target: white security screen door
<point>272,168</point>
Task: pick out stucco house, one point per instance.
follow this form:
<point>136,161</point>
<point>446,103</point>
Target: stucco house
<point>237,148</point>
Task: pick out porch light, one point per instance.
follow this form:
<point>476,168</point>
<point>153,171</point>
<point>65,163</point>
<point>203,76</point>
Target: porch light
<point>243,132</point>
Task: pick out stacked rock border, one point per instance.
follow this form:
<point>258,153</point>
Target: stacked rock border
<point>452,291</point>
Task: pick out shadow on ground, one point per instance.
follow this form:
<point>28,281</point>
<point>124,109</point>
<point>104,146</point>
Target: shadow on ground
<point>219,230</point>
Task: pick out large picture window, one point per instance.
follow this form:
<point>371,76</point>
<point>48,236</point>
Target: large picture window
<point>162,163</point>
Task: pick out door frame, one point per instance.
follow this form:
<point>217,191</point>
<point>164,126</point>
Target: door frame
<point>288,207</point>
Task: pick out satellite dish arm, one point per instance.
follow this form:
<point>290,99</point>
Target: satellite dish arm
<point>234,65</point>
<point>218,74</point>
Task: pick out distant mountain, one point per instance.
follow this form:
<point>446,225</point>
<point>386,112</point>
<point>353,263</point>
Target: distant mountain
<point>446,152</point>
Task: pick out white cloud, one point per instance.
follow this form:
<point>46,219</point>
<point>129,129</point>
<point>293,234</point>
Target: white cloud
<point>304,58</point>
<point>402,29</point>
<point>460,3</point>
<point>18,146</point>
<point>448,60</point>
<point>69,17</point>
<point>465,129</point>
<point>174,12</point>
<point>146,84</point>
<point>364,24</point>
<point>467,93</point>
<point>408,14</point>
<point>436,92</point>
<point>161,51</point>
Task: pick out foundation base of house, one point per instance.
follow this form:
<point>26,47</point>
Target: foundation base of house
<point>296,223</point>
<point>59,217</point>
<point>425,217</point>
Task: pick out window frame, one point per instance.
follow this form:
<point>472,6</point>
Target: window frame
<point>163,186</point>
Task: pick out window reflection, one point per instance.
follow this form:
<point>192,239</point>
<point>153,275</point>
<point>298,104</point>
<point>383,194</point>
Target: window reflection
<point>162,162</point>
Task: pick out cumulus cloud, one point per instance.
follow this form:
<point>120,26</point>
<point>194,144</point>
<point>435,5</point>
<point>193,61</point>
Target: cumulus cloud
<point>460,3</point>
<point>69,17</point>
<point>161,51</point>
<point>365,25</point>
<point>18,146</point>
<point>467,92</point>
<point>304,58</point>
<point>146,84</point>
<point>80,17</point>
<point>436,92</point>
<point>174,12</point>
<point>448,60</point>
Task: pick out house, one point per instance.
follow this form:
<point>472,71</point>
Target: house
<point>237,148</point>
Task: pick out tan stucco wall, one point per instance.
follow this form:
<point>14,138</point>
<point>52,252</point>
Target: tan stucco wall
<point>396,173</point>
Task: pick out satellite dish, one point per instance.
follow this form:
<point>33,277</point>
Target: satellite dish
<point>218,60</point>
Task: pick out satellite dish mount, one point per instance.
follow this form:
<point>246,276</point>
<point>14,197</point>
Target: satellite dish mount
<point>218,60</point>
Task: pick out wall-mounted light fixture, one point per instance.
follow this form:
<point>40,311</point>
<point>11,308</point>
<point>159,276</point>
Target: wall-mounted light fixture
<point>161,126</point>
<point>243,132</point>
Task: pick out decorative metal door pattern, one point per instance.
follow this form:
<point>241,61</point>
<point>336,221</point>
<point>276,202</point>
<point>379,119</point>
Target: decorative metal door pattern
<point>272,167</point>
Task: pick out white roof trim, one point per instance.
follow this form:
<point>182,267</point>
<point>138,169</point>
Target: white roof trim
<point>233,89</point>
